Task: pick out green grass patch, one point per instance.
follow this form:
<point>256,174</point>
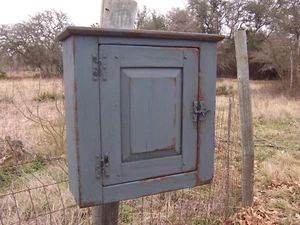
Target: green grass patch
<point>224,89</point>
<point>9,175</point>
<point>3,75</point>
<point>48,96</point>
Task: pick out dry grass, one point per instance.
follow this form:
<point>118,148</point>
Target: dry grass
<point>276,121</point>
<point>38,194</point>
<point>32,112</point>
<point>38,124</point>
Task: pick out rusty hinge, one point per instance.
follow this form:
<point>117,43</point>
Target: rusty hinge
<point>102,166</point>
<point>199,111</point>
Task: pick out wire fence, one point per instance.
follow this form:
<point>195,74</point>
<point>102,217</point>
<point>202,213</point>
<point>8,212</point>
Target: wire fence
<point>34,189</point>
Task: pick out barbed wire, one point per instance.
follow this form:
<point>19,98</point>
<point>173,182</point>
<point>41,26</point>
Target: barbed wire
<point>36,191</point>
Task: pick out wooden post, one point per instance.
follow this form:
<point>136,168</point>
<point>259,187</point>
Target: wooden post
<point>118,14</point>
<point>115,14</point>
<point>245,117</point>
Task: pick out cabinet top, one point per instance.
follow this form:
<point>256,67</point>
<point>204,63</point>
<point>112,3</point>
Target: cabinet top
<point>92,31</point>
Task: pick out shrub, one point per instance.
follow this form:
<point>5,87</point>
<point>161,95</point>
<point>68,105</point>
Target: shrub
<point>6,99</point>
<point>3,75</point>
<point>224,90</point>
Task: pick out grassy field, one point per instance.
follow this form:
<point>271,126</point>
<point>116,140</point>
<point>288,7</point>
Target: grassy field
<point>32,128</point>
<point>276,123</point>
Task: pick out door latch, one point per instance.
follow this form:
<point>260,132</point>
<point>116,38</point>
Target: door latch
<point>199,111</point>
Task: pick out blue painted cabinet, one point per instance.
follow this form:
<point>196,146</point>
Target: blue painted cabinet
<point>139,111</point>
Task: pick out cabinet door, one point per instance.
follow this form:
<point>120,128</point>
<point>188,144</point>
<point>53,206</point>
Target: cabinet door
<point>146,104</point>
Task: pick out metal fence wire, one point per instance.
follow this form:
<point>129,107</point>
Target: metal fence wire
<point>36,191</point>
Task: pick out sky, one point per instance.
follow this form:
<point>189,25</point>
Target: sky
<point>81,13</point>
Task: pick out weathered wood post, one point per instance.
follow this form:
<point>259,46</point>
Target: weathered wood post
<point>115,14</point>
<point>245,117</point>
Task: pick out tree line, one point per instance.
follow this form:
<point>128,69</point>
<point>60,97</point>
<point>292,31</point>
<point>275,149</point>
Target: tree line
<point>32,44</point>
<point>273,31</point>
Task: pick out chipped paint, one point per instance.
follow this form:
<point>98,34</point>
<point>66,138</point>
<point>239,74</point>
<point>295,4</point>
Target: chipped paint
<point>174,120</point>
<point>130,80</point>
<point>201,182</point>
<point>169,147</point>
<point>174,80</point>
<point>89,204</point>
<point>199,97</point>
<point>158,178</point>
<point>131,150</point>
<point>77,140</point>
<point>196,52</point>
<point>195,123</point>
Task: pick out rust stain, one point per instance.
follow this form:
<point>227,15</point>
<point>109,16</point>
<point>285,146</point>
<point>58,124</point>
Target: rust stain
<point>178,49</point>
<point>77,140</point>
<point>174,80</point>
<point>76,123</point>
<point>131,150</point>
<point>157,178</point>
<point>196,52</point>
<point>150,180</point>
<point>169,147</point>
<point>193,168</point>
<point>174,120</point>
<point>202,182</point>
<point>200,96</point>
<point>130,80</point>
<point>75,87</point>
<point>89,204</point>
<point>195,124</point>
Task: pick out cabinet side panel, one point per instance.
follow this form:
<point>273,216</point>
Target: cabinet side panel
<point>87,106</point>
<point>208,68</point>
<point>69,93</point>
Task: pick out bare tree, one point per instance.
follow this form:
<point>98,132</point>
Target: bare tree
<point>274,54</point>
<point>181,20</point>
<point>34,42</point>
<point>151,20</point>
<point>209,14</point>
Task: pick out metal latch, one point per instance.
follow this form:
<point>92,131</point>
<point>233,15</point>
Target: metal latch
<point>199,111</point>
<point>102,166</point>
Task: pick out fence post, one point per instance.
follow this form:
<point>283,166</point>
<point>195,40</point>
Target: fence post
<point>245,117</point>
<point>114,14</point>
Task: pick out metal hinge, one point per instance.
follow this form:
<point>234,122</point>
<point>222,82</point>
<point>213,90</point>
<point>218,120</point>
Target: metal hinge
<point>199,111</point>
<point>95,67</point>
<point>102,166</point>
